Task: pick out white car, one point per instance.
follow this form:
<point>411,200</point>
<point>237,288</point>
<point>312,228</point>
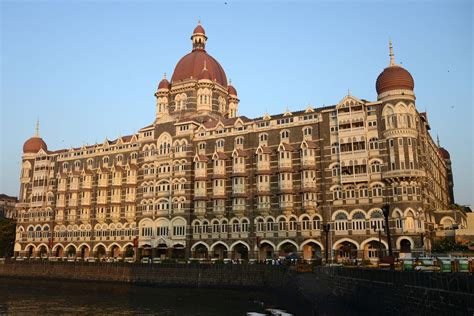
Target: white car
<point>90,259</point>
<point>129,260</point>
<point>145,260</point>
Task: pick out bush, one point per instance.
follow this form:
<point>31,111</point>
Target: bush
<point>7,237</point>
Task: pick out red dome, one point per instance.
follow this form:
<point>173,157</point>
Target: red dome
<point>164,84</point>
<point>199,30</point>
<point>191,66</point>
<point>205,75</point>
<point>444,153</point>
<point>394,78</point>
<point>33,145</point>
<point>231,90</point>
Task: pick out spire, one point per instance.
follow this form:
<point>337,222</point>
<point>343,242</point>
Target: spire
<point>37,128</point>
<point>164,75</point>
<point>392,56</point>
<point>437,140</point>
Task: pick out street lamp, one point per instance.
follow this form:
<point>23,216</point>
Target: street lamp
<point>379,230</point>
<point>386,214</point>
<point>326,228</point>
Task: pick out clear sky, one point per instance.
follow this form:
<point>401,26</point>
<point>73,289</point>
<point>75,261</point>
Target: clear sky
<point>88,69</point>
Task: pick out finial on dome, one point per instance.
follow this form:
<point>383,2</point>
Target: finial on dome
<point>199,21</point>
<point>37,128</point>
<point>437,140</point>
<point>164,75</point>
<point>392,55</point>
<point>230,82</point>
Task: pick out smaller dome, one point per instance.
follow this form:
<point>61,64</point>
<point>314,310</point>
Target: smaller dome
<point>444,153</point>
<point>231,90</point>
<point>33,145</point>
<point>164,84</point>
<point>199,29</point>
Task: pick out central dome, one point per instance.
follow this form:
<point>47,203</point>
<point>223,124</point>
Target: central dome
<point>192,64</point>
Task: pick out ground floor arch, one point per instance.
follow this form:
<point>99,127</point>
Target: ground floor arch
<point>345,250</point>
<point>219,250</point>
<point>42,251</point>
<point>83,251</point>
<point>200,250</point>
<point>266,250</point>
<point>311,249</point>
<point>287,247</point>
<point>240,250</point>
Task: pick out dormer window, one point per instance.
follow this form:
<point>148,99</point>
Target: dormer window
<point>307,131</point>
<point>284,135</point>
<point>239,141</point>
<point>220,144</point>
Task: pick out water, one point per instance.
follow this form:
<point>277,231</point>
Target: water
<point>55,297</point>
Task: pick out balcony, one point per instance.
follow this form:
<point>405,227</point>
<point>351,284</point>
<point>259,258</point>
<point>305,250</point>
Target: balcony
<point>308,184</point>
<point>62,187</point>
<point>308,162</point>
<point>284,164</point>
<point>263,166</point>
<point>285,186</point>
<point>102,200</point>
<point>130,198</point>
<point>263,187</point>
<point>86,201</point>
<point>238,168</point>
<point>218,191</point>
<point>102,183</point>
<point>238,209</point>
<point>404,173</point>
<point>117,181</point>
<point>220,171</point>
<point>87,185</point>
<point>72,202</point>
<point>240,189</point>
<point>132,180</point>
<point>354,178</point>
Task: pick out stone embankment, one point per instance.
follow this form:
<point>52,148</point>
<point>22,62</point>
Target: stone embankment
<point>179,275</point>
<point>385,292</point>
<point>329,290</point>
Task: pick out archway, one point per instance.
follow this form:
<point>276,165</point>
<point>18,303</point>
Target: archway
<point>346,251</point>
<point>71,251</point>
<point>30,251</point>
<point>312,250</point>
<point>240,251</point>
<point>59,251</point>
<point>145,251</point>
<point>178,252</point>
<point>115,251</point>
<point>162,251</point>
<point>266,250</point>
<point>200,251</point>
<point>286,249</point>
<point>405,246</point>
<point>220,251</point>
<point>100,252</point>
<point>84,251</point>
<point>42,251</point>
<point>373,250</point>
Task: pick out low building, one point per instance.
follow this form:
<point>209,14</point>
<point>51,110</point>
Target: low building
<point>7,206</point>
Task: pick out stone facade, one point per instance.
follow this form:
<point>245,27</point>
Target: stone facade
<point>7,206</point>
<point>201,181</point>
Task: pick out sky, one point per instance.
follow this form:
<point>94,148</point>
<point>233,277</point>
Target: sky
<point>88,69</point>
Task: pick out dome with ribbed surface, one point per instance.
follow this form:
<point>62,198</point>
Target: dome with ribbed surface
<point>164,84</point>
<point>33,145</point>
<point>444,153</point>
<point>394,78</point>
<point>231,90</point>
<point>191,66</point>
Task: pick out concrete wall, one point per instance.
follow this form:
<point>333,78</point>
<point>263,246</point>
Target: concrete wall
<point>387,292</point>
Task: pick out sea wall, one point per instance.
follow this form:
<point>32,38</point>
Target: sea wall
<point>180,275</point>
<point>385,292</point>
<point>329,290</point>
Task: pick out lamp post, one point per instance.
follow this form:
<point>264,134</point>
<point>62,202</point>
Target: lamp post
<point>326,228</point>
<point>386,214</point>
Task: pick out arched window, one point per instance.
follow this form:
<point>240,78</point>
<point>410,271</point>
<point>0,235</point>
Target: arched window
<point>284,135</point>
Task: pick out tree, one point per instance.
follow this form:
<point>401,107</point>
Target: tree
<point>446,245</point>
<point>7,237</point>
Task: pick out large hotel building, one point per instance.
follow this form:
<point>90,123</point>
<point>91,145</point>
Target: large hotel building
<point>203,181</point>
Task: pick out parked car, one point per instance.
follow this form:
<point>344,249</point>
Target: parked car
<point>20,259</point>
<point>156,260</point>
<point>252,261</point>
<point>71,259</point>
<point>53,259</point>
<point>91,259</point>
<point>129,260</point>
<point>228,261</point>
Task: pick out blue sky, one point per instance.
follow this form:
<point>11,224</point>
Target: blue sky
<point>88,69</point>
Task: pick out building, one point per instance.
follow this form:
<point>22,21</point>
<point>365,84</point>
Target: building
<point>7,206</point>
<point>201,181</point>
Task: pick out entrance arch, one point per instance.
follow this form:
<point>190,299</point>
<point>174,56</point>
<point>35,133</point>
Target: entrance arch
<point>346,250</point>
<point>30,250</point>
<point>59,251</point>
<point>405,246</point>
<point>100,251</point>
<point>266,250</point>
<point>287,247</point>
<point>42,251</point>
<point>178,252</point>
<point>84,251</point>
<point>200,250</point>
<point>311,249</point>
<point>240,250</point>
<point>219,250</point>
<point>115,251</point>
<point>71,251</point>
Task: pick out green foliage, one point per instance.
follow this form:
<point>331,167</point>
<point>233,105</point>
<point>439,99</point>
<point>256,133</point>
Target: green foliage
<point>7,237</point>
<point>129,252</point>
<point>446,245</point>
